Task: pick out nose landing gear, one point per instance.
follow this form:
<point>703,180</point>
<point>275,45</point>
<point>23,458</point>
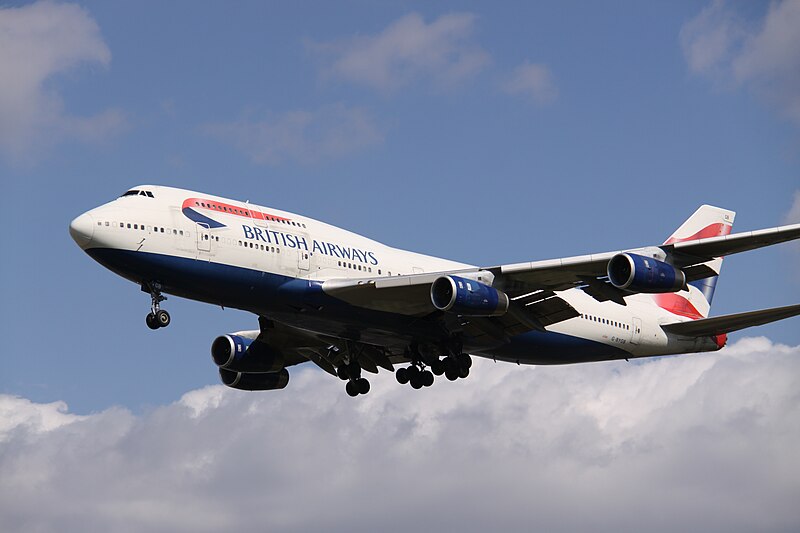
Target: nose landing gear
<point>157,317</point>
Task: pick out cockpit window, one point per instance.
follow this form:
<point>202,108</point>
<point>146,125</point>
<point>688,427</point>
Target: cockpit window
<point>134,192</point>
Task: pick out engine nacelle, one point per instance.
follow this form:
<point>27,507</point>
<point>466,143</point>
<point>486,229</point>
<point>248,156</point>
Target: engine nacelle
<point>467,297</point>
<point>241,354</point>
<point>644,274</point>
<point>244,381</point>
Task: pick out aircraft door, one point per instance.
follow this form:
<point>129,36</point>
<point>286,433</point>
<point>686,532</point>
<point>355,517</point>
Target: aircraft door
<point>203,237</point>
<point>256,215</point>
<point>303,261</point>
<point>636,334</point>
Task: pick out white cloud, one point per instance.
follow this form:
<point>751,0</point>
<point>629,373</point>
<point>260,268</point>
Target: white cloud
<point>534,80</point>
<point>406,51</point>
<point>762,55</point>
<point>699,442</point>
<point>38,42</point>
<point>305,136</point>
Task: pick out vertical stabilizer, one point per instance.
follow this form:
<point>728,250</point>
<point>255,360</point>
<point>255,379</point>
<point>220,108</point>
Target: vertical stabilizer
<point>706,222</point>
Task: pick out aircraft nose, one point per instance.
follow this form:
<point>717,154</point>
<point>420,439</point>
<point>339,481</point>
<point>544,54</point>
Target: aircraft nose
<point>82,229</point>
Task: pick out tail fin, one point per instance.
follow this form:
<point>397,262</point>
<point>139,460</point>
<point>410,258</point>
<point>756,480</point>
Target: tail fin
<point>707,221</point>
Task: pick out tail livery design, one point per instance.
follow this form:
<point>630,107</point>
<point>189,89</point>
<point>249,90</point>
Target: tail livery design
<point>707,222</point>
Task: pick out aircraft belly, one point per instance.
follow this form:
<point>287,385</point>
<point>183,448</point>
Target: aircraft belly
<point>551,348</point>
<point>297,302</point>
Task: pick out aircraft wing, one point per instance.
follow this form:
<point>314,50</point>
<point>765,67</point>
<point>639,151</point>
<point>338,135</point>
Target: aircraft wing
<point>728,323</point>
<point>531,286</point>
<point>589,270</point>
<point>688,253</point>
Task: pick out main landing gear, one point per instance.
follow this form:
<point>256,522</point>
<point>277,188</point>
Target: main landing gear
<point>157,317</point>
<point>351,372</point>
<point>419,375</point>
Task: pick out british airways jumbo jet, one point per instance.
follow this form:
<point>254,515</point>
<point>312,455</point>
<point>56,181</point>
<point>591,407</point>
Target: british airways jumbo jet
<point>350,304</point>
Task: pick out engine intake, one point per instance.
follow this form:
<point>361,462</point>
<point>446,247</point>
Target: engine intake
<point>644,274</point>
<point>245,381</point>
<point>241,354</point>
<point>454,294</point>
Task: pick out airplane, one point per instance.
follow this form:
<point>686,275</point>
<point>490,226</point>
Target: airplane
<point>352,305</point>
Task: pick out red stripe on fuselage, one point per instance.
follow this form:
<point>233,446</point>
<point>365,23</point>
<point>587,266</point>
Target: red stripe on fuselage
<point>229,209</point>
<point>712,230</point>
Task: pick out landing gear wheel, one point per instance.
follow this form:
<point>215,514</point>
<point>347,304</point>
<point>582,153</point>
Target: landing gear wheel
<point>151,321</point>
<point>351,388</point>
<point>157,318</point>
<point>416,381</point>
<point>162,318</point>
<point>437,368</point>
<point>463,372</point>
<point>362,385</point>
<point>426,378</point>
<point>402,376</point>
<point>451,374</point>
<point>464,361</point>
<point>342,373</point>
<point>353,370</point>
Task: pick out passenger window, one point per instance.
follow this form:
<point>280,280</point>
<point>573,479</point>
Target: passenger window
<point>136,226</point>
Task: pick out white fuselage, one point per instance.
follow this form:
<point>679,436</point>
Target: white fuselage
<point>242,255</point>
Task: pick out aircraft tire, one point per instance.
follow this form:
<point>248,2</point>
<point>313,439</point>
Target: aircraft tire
<point>150,319</point>
<point>362,385</point>
<point>416,381</point>
<point>162,318</point>
<point>427,378</point>
<point>437,368</point>
<point>463,372</point>
<point>451,374</point>
<point>402,376</point>
<point>351,388</point>
<point>464,361</point>
<point>341,372</point>
<point>354,370</point>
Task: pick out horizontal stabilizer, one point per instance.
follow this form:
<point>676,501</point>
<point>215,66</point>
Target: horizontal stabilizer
<point>728,323</point>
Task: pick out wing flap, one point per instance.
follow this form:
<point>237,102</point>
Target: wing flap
<point>728,323</point>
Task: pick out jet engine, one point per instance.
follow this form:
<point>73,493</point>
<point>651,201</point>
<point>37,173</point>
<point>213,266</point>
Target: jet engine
<point>467,297</point>
<point>245,381</point>
<point>644,274</point>
<point>239,353</point>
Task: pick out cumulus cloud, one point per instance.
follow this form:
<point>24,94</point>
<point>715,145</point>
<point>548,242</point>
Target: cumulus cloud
<point>700,442</point>
<point>762,55</point>
<point>38,42</point>
<point>534,80</point>
<point>407,50</point>
<point>304,136</point>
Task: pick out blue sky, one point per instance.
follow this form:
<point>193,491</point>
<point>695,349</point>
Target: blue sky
<point>486,134</point>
